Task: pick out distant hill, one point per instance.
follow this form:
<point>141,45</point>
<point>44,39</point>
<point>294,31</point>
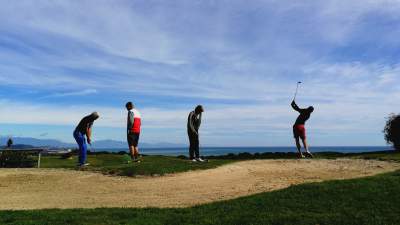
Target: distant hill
<point>100,144</point>
<point>19,146</point>
<point>36,142</point>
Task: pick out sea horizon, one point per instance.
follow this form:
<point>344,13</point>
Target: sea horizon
<point>208,151</point>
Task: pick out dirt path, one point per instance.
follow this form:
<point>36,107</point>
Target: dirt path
<point>55,188</point>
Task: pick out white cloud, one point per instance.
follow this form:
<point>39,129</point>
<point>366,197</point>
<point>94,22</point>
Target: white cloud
<point>112,26</point>
<point>73,93</point>
<point>248,53</point>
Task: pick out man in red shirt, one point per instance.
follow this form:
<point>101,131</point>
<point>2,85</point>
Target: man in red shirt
<point>133,131</point>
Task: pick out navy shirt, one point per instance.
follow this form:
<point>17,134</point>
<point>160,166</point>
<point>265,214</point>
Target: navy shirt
<point>194,121</point>
<point>85,124</point>
<point>304,114</point>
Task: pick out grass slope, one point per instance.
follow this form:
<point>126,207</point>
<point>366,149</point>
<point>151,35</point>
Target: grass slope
<point>116,164</point>
<point>372,200</point>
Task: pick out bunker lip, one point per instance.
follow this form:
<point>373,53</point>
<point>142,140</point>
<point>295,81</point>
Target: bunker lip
<point>23,189</point>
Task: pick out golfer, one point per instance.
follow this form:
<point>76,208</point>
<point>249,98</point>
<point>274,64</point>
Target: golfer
<point>83,129</point>
<point>299,131</point>
<point>133,131</point>
<point>193,125</point>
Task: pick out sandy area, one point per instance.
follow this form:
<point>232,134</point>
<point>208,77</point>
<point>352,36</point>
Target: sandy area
<point>55,188</point>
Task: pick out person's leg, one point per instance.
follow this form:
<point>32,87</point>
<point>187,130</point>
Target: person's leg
<point>136,144</point>
<point>191,146</point>
<point>80,140</point>
<point>305,144</point>
<point>131,146</point>
<point>304,140</point>
<point>136,152</point>
<point>196,146</point>
<point>84,151</point>
<point>132,152</point>
<point>299,147</point>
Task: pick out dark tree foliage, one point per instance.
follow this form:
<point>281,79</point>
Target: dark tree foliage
<point>392,131</point>
<point>16,159</point>
<point>9,143</point>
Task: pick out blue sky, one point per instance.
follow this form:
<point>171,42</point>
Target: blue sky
<point>60,60</point>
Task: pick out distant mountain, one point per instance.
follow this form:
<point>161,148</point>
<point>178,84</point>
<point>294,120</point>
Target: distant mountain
<point>37,142</point>
<point>100,144</point>
<point>18,146</point>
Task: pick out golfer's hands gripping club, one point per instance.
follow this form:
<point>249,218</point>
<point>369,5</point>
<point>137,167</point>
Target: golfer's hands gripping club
<point>89,141</point>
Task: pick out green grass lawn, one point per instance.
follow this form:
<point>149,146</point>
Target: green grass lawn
<point>116,164</point>
<point>372,200</point>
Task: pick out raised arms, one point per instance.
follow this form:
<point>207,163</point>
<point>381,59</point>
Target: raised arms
<point>295,107</point>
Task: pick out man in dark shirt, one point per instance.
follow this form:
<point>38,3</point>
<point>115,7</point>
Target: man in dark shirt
<point>299,131</point>
<point>83,129</point>
<point>193,125</point>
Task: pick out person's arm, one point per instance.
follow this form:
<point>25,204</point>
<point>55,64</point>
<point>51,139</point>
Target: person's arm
<point>191,125</point>
<point>131,121</point>
<point>295,107</point>
<point>89,133</point>
<point>199,121</point>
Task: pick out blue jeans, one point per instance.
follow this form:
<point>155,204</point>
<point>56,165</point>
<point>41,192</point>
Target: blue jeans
<point>80,139</point>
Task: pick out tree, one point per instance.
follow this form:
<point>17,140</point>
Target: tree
<point>9,143</point>
<point>392,131</point>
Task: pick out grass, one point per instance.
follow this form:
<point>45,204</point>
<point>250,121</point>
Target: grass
<point>372,200</point>
<point>116,164</point>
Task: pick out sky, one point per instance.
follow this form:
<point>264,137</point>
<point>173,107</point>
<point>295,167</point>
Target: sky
<point>61,60</point>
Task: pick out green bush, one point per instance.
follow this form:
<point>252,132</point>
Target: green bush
<point>16,159</point>
<point>392,131</point>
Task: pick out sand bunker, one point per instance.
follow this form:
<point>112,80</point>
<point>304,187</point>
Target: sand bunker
<point>55,188</point>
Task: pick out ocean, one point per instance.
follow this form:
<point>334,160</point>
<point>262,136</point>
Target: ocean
<point>207,151</point>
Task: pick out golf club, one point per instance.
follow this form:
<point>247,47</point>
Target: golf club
<point>297,88</point>
<point>92,150</point>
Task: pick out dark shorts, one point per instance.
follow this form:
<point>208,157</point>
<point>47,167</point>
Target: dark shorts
<point>133,139</point>
<point>299,131</point>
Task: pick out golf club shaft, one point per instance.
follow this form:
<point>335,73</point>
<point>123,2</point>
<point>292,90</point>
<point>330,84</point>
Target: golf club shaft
<point>295,94</point>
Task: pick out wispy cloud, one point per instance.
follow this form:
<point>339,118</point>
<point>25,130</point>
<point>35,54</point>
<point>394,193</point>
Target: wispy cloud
<point>73,93</point>
<point>240,59</point>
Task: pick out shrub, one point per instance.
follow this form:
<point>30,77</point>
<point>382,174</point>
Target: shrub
<point>392,131</point>
<point>12,159</point>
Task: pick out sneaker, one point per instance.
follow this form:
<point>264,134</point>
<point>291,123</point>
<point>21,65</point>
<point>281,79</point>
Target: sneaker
<point>194,160</point>
<point>83,165</point>
<point>301,156</point>
<point>309,154</point>
<point>199,160</point>
<point>136,160</point>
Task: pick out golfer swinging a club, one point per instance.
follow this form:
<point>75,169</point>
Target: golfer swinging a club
<point>299,131</point>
